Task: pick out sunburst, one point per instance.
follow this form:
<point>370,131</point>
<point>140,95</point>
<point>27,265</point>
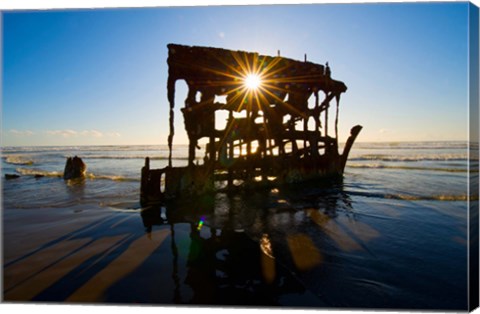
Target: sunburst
<point>252,81</point>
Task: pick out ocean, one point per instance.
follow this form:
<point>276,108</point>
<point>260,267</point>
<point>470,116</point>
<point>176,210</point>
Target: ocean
<point>392,234</point>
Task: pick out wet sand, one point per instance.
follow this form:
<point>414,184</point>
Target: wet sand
<point>97,256</point>
<point>273,249</point>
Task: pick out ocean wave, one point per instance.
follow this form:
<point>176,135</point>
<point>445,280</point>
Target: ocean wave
<point>92,176</point>
<point>37,172</point>
<point>454,157</point>
<point>379,166</point>
<point>406,197</point>
<point>18,160</point>
<point>87,157</point>
<point>88,175</point>
<point>94,148</point>
<point>414,145</point>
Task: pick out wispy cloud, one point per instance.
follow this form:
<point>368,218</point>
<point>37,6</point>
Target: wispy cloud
<point>83,133</point>
<point>113,134</point>
<point>21,133</point>
<point>92,133</point>
<point>63,133</point>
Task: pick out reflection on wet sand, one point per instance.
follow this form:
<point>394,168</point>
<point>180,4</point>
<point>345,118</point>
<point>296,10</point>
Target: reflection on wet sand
<point>304,253</point>
<point>217,250</point>
<point>267,259</point>
<point>225,266</point>
<point>348,234</point>
<point>266,234</point>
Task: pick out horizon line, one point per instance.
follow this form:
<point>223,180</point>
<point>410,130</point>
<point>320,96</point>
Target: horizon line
<point>186,144</point>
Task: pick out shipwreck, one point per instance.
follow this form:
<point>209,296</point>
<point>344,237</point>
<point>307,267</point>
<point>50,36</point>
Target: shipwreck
<point>273,131</point>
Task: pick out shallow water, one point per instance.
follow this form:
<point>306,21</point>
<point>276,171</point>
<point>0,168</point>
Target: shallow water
<point>392,234</point>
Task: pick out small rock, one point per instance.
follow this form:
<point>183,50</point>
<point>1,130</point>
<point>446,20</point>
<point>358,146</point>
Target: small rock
<point>74,168</point>
<point>9,176</point>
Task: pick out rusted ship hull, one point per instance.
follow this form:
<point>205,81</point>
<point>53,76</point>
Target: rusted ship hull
<point>268,138</point>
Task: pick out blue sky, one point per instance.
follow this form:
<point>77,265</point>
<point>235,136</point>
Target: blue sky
<point>98,76</point>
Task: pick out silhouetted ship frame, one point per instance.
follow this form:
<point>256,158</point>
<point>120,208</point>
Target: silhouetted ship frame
<point>266,140</point>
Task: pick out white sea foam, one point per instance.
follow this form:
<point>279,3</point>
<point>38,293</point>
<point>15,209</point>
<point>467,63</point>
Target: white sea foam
<point>38,172</point>
<point>382,166</point>
<point>90,176</point>
<point>130,157</point>
<point>18,160</point>
<point>442,145</point>
<point>413,158</point>
<point>407,197</point>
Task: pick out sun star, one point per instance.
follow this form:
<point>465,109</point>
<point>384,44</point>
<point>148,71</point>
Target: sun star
<point>252,81</point>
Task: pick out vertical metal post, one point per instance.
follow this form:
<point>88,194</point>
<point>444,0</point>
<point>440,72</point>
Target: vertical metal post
<point>230,142</point>
<point>336,116</point>
<point>326,120</point>
<point>171,100</point>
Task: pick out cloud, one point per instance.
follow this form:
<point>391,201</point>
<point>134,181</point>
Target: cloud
<point>92,133</point>
<point>221,35</point>
<point>113,134</point>
<point>21,133</point>
<point>383,131</point>
<point>83,133</point>
<point>63,133</point>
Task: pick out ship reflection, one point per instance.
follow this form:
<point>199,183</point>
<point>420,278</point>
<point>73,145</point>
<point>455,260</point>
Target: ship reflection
<point>224,266</point>
<point>238,244</point>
